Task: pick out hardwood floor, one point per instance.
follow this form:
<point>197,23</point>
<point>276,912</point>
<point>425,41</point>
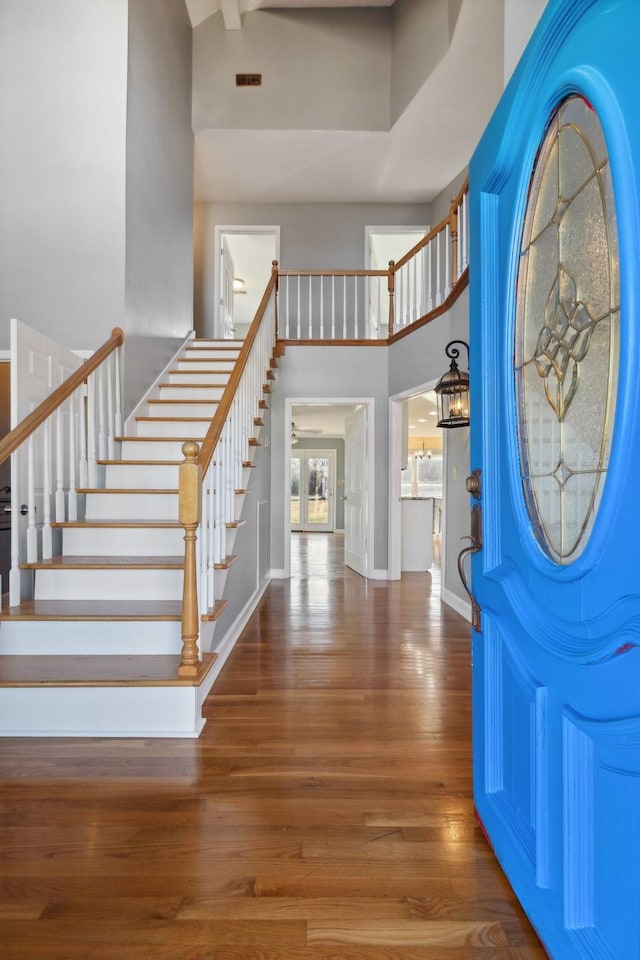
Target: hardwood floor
<point>325,813</point>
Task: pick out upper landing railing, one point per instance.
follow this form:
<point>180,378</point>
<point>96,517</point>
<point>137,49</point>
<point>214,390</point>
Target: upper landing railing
<point>379,306</point>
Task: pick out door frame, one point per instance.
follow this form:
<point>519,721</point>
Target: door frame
<point>305,453</point>
<point>369,402</point>
<point>238,229</point>
<point>395,462</point>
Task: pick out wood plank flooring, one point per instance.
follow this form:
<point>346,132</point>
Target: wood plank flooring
<point>325,813</point>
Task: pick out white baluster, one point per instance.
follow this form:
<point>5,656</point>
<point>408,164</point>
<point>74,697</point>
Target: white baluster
<point>118,423</point>
<point>429,269</point>
<point>438,274</point>
<point>111,444</point>
<point>91,433</point>
<point>399,305</point>
<point>14,572</point>
<point>322,308</point>
<point>299,336</point>
<point>83,465</point>
<point>47,539</point>
<point>333,308</point>
<point>465,230</point>
<point>102,429</point>
<point>356,326</point>
<point>344,308</point>
<point>414,262</point>
<point>60,497</point>
<point>379,307</point>
<point>76,399</point>
<point>310,317</point>
<point>203,539</point>
<point>447,261</point>
<point>32,531</point>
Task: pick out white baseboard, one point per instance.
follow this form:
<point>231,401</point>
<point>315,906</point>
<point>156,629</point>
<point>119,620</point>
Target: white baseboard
<point>463,607</point>
<point>278,575</point>
<point>379,575</point>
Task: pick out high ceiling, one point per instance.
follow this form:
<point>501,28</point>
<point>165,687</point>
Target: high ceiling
<point>431,142</point>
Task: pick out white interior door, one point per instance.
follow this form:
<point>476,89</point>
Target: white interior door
<point>227,273</point>
<point>355,491</point>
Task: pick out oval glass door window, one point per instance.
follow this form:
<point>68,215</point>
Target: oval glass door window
<point>567,318</point>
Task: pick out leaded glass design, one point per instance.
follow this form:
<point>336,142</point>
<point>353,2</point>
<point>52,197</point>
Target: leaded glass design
<point>566,349</point>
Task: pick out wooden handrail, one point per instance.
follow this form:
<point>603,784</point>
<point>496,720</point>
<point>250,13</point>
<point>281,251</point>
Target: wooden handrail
<point>43,411</point>
<point>217,424</point>
<point>333,273</point>
<point>439,227</point>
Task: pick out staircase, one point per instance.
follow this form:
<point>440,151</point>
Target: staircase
<point>98,648</point>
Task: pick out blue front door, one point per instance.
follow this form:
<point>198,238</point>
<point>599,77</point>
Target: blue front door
<point>555,423</point>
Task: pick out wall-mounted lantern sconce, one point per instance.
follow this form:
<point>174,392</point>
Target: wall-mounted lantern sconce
<point>452,390</point>
<point>239,285</point>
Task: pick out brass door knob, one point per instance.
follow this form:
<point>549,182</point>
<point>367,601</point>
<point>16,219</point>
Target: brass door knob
<point>474,484</point>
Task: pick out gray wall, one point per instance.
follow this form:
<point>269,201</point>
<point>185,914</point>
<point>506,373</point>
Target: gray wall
<point>323,236</point>
<point>334,373</point>
<point>96,174</point>
<point>419,40</point>
<point>159,219</point>
<point>242,577</point>
<point>63,89</point>
<point>329,443</point>
<point>322,70</point>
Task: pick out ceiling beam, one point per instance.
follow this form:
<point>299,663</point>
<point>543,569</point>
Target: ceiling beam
<point>231,14</point>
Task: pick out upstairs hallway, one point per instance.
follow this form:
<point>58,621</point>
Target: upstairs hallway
<point>325,812</point>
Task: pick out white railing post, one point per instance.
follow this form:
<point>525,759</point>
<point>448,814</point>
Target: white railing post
<point>60,495</point>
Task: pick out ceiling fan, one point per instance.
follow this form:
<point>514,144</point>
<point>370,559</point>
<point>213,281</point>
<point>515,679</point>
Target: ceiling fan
<point>297,431</point>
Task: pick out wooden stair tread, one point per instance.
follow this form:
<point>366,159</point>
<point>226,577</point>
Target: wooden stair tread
<point>143,463</point>
<point>175,419</point>
<point>234,524</point>
<point>248,463</point>
<point>214,612</point>
<point>116,610</point>
<point>174,402</point>
<point>69,562</point>
<point>181,439</point>
<point>271,375</point>
<point>254,442</point>
<point>263,404</point>
<point>226,563</point>
<point>118,524</point>
<point>266,388</point>
<point>126,490</point>
<point>258,422</point>
<point>98,671</point>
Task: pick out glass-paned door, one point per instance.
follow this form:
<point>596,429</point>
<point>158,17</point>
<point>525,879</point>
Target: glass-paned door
<point>312,486</point>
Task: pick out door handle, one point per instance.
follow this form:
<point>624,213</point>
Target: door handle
<point>475,547</point>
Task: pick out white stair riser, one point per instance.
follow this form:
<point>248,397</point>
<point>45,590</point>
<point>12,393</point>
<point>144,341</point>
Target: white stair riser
<point>133,449</point>
<point>172,428</point>
<point>126,584</point>
<point>179,409</point>
<point>132,506</point>
<point>206,365</point>
<point>84,637</point>
<point>102,711</point>
<point>213,379</point>
<point>120,541</point>
<point>182,392</point>
<point>147,475</point>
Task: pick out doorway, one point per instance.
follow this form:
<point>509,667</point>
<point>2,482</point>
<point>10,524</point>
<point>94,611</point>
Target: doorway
<point>313,483</point>
<point>416,483</point>
<point>243,259</point>
<point>329,467</point>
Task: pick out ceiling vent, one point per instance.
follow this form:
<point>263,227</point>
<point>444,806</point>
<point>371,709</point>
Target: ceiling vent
<point>248,79</point>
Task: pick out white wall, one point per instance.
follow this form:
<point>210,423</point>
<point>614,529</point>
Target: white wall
<point>520,19</point>
<point>63,88</point>
<point>96,174</point>
<point>322,70</point>
<point>314,236</point>
<point>419,40</point>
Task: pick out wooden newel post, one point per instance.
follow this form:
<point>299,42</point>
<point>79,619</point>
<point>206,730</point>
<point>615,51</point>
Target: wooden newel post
<point>391,285</point>
<point>189,497</point>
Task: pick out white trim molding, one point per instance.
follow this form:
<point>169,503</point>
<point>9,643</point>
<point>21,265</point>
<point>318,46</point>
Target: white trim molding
<point>463,607</point>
